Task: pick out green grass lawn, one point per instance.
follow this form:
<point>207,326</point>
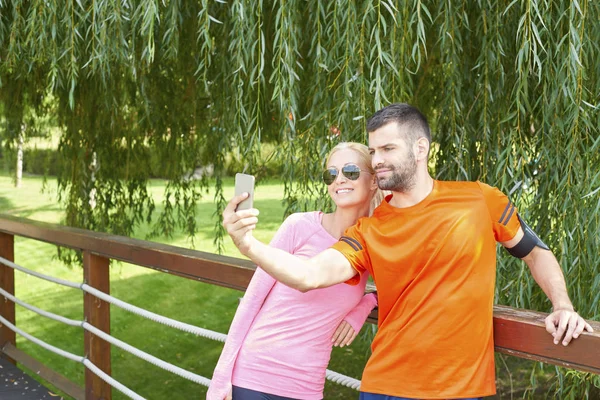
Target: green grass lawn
<point>185,300</point>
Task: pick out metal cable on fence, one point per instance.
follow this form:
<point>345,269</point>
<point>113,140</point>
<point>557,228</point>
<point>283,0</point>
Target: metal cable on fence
<point>340,379</point>
<point>147,357</point>
<point>217,336</point>
<point>41,343</point>
<point>39,275</point>
<point>108,379</point>
<point>47,314</point>
<point>155,317</point>
<point>119,343</point>
<point>117,385</point>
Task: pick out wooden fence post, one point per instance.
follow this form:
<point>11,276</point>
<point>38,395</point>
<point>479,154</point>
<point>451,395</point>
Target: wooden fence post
<point>7,282</point>
<point>97,313</point>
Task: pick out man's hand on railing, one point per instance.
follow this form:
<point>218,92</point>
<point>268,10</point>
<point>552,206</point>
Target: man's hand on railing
<point>240,224</point>
<point>567,323</point>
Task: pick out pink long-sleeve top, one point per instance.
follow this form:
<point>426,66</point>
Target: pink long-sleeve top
<point>280,339</point>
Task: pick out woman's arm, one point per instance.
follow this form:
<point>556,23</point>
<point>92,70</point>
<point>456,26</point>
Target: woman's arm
<point>258,290</point>
<point>325,269</point>
<point>354,320</point>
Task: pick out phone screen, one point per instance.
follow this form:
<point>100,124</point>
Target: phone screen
<point>244,183</point>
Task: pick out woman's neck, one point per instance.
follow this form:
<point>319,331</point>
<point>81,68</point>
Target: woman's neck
<point>337,222</point>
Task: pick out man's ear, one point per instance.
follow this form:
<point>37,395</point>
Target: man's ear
<point>422,147</point>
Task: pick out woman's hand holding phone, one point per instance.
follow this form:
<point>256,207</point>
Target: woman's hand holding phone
<point>239,218</point>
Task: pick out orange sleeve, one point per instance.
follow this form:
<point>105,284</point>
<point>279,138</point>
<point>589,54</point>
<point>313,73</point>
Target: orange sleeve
<point>352,246</point>
<point>503,213</point>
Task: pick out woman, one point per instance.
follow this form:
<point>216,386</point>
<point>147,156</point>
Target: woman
<point>280,340</point>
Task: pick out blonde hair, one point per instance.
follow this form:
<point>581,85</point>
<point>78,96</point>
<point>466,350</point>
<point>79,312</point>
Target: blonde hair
<point>365,158</point>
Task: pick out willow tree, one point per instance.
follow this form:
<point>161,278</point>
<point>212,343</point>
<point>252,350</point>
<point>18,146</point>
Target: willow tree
<point>512,90</point>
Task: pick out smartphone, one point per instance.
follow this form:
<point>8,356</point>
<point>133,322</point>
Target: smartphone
<point>244,183</point>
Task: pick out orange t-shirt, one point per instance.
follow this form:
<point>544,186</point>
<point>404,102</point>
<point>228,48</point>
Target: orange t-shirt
<point>434,265</point>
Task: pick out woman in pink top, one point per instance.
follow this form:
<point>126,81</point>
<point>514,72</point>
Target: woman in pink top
<point>280,340</point>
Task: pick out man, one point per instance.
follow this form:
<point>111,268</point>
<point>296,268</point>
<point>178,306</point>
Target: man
<point>431,248</point>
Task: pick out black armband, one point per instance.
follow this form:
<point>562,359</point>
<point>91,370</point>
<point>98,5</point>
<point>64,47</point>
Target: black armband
<point>527,242</point>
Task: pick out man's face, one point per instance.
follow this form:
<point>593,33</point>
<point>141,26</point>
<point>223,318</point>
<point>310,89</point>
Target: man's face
<point>393,158</point>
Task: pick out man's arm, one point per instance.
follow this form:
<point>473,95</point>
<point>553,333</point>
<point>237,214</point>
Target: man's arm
<point>325,269</point>
<point>548,275</point>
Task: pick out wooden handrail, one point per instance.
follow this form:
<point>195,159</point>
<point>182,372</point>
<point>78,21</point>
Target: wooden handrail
<point>219,270</point>
<point>520,333</point>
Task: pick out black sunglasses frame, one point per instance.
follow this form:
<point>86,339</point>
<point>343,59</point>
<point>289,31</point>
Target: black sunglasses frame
<point>350,171</point>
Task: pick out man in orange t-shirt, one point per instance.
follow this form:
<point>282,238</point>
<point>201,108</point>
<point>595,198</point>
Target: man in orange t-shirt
<point>431,249</point>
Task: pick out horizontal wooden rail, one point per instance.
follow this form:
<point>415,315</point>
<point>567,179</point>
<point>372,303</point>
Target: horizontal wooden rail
<point>219,270</point>
<point>520,333</point>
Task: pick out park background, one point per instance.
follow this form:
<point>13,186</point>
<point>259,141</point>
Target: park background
<point>131,117</point>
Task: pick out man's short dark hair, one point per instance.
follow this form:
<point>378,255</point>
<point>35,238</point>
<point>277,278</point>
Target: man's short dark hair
<point>404,115</point>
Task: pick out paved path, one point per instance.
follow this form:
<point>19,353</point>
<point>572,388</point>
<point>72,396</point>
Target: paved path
<point>16,385</point>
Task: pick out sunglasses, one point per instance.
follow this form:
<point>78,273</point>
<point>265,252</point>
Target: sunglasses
<point>350,171</point>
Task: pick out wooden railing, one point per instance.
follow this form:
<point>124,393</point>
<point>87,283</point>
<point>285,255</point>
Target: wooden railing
<point>520,333</point>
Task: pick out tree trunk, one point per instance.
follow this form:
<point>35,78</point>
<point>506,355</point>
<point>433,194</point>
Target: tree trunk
<point>93,167</point>
<point>19,173</point>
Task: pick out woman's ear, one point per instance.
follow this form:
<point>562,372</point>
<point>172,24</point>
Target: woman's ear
<point>374,185</point>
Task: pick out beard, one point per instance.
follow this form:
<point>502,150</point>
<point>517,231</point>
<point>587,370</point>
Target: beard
<point>403,177</point>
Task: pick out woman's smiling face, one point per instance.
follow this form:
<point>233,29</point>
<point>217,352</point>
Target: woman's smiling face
<point>346,192</point>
